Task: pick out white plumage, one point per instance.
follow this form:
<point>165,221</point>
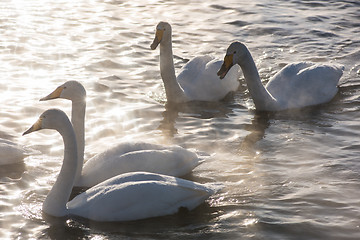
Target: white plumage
<point>123,157</point>
<point>11,153</point>
<point>197,79</point>
<point>139,195</point>
<point>126,197</point>
<point>297,85</point>
<point>137,156</point>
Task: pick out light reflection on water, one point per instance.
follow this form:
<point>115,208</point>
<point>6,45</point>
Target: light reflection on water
<point>286,175</point>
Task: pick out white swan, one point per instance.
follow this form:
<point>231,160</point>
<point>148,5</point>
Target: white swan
<point>124,157</point>
<point>296,85</point>
<point>11,153</point>
<point>197,79</point>
<point>125,197</point>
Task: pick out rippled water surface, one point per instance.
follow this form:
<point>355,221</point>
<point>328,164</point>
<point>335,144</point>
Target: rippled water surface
<point>288,175</point>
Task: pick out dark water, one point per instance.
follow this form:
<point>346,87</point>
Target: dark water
<point>288,175</point>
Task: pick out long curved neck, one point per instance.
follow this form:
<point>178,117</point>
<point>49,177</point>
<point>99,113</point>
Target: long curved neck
<point>78,121</point>
<point>174,93</point>
<point>261,97</point>
<point>55,202</point>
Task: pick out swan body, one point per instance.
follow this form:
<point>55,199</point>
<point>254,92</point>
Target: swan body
<point>143,195</point>
<point>197,79</point>
<point>124,157</point>
<point>126,197</point>
<point>11,153</point>
<point>130,157</point>
<point>297,85</point>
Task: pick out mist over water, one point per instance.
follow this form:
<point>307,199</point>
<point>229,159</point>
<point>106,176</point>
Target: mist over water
<point>286,175</point>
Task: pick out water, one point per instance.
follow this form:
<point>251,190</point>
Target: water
<point>288,175</point>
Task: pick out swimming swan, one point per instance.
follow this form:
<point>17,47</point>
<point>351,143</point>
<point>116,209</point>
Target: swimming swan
<point>124,157</point>
<point>11,153</point>
<point>126,197</point>
<point>296,85</point>
<point>197,79</point>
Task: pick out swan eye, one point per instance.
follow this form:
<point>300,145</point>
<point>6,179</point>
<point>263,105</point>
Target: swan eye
<point>234,52</point>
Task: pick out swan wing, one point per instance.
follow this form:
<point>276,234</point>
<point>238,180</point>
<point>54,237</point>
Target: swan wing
<point>169,160</point>
<point>283,80</point>
<point>305,84</point>
<point>191,70</point>
<point>146,196</point>
<point>199,80</point>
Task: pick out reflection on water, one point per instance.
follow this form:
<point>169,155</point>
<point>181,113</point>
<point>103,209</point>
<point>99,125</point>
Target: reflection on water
<point>257,128</point>
<point>167,125</point>
<point>292,174</point>
<point>195,109</point>
<point>13,171</point>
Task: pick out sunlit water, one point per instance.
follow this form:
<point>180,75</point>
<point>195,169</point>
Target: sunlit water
<point>289,175</point>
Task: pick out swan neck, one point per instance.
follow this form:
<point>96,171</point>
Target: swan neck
<point>174,93</point>
<point>78,121</point>
<point>55,202</point>
<point>261,97</point>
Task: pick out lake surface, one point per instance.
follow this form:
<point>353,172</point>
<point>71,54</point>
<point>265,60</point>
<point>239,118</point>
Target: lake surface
<point>288,175</point>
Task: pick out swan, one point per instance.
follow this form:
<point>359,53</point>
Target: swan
<point>197,80</point>
<point>12,153</point>
<point>126,197</point>
<point>297,85</point>
<point>124,157</point>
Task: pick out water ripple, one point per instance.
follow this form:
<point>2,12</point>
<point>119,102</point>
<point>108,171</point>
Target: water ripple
<point>286,175</point>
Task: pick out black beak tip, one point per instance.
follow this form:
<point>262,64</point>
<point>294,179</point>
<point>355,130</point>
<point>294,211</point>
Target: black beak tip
<point>220,75</point>
<point>26,132</point>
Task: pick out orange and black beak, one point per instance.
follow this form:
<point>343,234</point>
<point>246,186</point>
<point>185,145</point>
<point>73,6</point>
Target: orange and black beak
<point>225,67</point>
<point>158,37</point>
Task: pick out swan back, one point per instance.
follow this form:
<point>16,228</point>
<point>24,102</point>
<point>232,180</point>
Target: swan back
<point>134,196</point>
<point>304,84</point>
<point>130,157</point>
<point>200,82</point>
<point>11,153</point>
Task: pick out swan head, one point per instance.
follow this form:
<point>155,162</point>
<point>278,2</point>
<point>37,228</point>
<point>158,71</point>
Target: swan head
<point>71,90</point>
<point>50,119</point>
<point>235,53</point>
<point>163,33</point>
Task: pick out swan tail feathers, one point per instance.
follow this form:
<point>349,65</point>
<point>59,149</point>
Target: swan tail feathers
<point>214,187</point>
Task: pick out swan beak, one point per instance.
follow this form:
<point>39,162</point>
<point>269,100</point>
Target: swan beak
<point>158,37</point>
<point>35,127</point>
<point>225,67</point>
<point>54,94</point>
